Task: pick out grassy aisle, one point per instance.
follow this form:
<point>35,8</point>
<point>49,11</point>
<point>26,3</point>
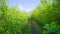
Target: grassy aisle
<point>33,29</point>
<point>38,28</point>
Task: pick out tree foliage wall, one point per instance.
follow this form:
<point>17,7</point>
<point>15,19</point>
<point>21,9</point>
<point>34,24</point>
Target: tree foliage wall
<point>48,13</point>
<point>12,20</point>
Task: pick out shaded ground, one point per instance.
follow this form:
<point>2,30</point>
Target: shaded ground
<point>32,28</point>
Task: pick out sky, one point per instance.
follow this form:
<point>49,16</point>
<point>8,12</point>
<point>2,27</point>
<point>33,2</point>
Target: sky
<point>26,5</point>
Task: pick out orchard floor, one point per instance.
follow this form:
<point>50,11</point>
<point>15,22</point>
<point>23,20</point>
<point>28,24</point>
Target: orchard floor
<point>32,28</point>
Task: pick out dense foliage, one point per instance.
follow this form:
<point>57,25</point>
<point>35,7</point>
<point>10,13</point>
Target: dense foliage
<point>12,20</point>
<point>48,13</point>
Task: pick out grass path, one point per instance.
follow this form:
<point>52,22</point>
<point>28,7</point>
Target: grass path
<point>32,28</point>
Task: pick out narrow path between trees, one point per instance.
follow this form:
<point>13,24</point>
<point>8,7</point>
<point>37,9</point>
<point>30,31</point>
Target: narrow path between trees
<point>33,27</point>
